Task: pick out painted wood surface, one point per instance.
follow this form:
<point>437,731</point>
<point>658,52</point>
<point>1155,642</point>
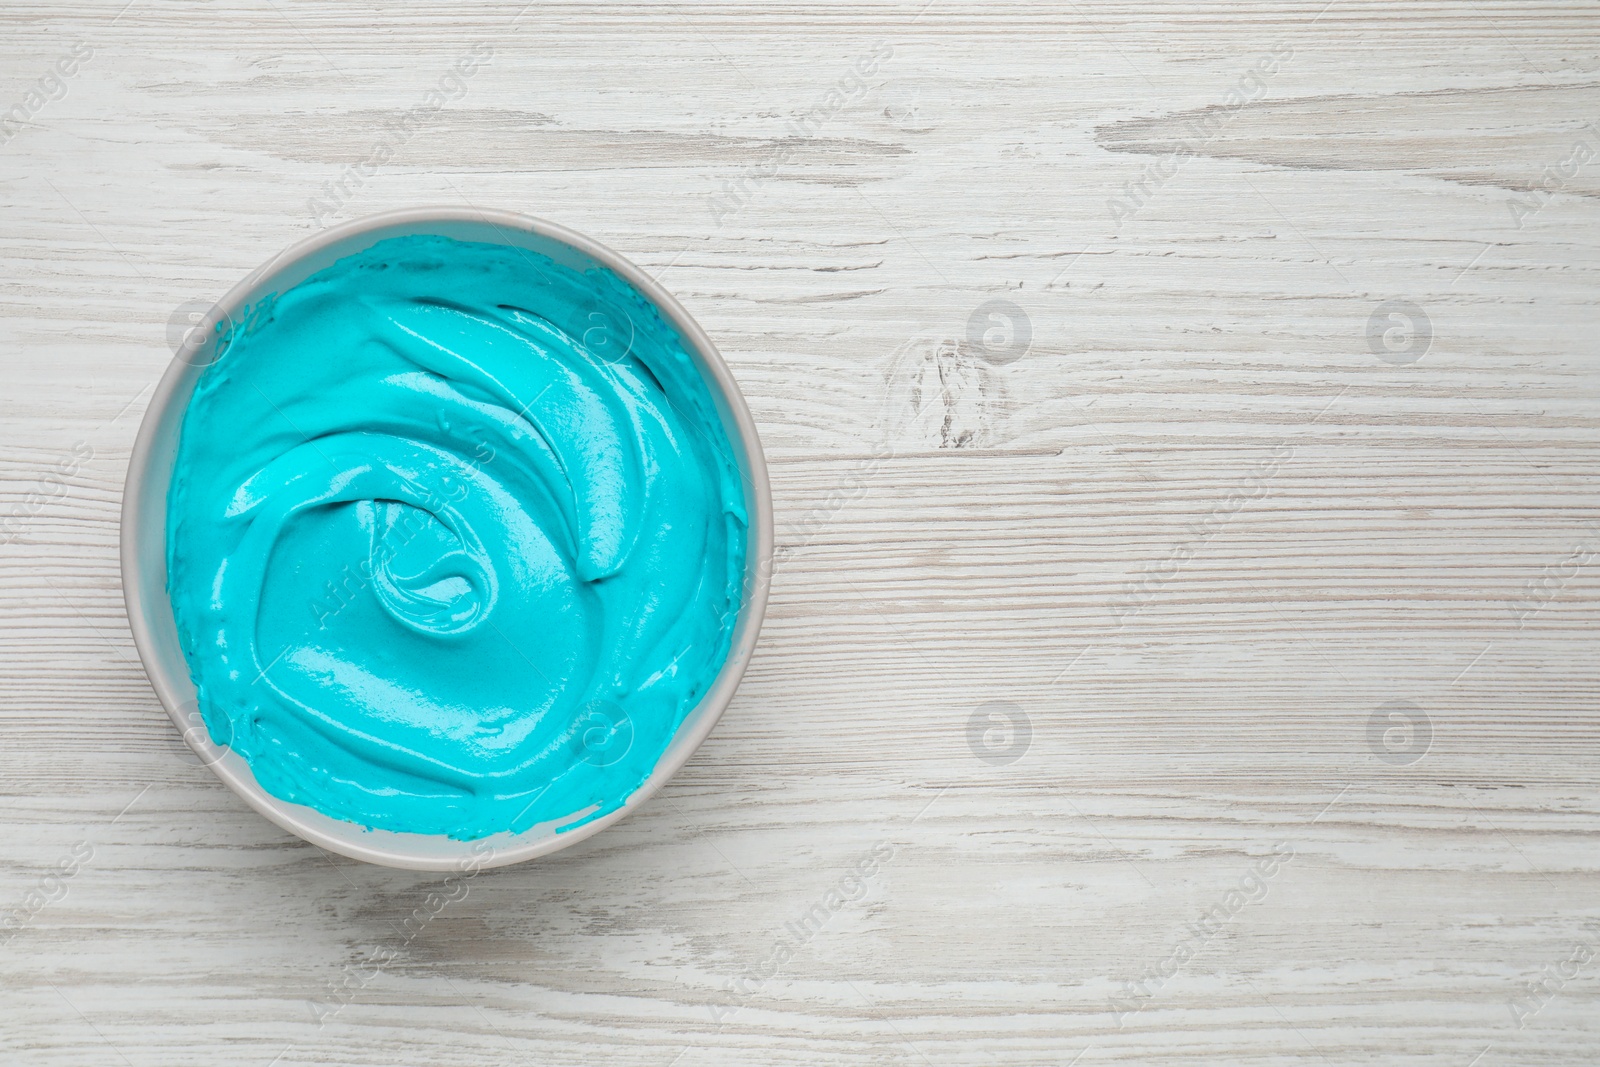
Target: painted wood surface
<point>1183,427</point>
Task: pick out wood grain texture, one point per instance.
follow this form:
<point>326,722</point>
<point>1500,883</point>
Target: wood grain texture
<point>1197,536</point>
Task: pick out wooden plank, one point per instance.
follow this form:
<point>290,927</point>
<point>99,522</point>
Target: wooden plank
<point>1226,557</point>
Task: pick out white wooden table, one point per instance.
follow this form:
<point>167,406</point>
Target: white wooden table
<point>1203,673</point>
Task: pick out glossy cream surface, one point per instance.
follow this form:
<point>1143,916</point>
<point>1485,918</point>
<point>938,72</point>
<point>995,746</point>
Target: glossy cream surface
<point>455,540</point>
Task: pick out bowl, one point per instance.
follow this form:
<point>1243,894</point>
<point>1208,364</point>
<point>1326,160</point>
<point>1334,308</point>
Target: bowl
<point>144,531</point>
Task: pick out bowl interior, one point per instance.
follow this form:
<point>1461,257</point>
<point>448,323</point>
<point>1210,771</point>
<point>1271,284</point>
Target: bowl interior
<point>144,534</point>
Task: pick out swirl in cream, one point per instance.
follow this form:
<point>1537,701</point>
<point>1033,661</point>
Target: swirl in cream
<point>455,540</point>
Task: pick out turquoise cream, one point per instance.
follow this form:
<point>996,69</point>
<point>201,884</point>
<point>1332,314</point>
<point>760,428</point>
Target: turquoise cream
<point>455,539</point>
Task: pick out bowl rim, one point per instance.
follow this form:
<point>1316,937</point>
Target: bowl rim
<point>386,849</point>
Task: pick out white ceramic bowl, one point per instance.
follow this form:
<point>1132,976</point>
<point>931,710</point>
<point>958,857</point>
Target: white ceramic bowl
<point>144,532</point>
